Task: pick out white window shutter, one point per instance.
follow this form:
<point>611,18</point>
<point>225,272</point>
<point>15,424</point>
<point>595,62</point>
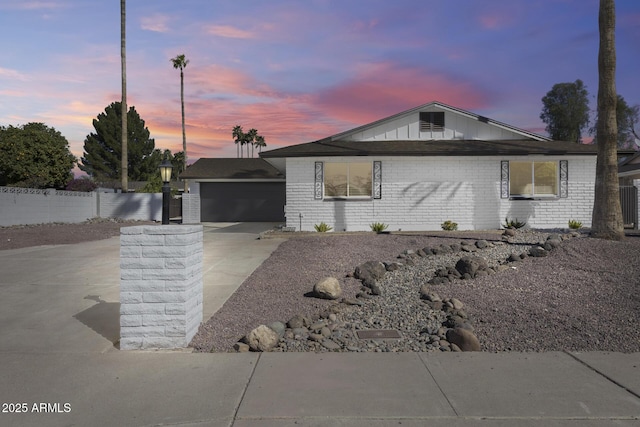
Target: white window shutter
<point>319,180</point>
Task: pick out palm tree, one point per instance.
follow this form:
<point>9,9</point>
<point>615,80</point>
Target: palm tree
<point>123,112</point>
<point>238,137</point>
<point>251,137</point>
<point>181,62</point>
<point>260,143</point>
<point>607,213</point>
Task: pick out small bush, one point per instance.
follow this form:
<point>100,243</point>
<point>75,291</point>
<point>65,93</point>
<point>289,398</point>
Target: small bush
<point>575,224</point>
<point>449,225</point>
<point>510,223</point>
<point>378,227</point>
<point>322,227</point>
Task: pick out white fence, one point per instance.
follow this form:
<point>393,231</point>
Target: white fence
<point>21,206</point>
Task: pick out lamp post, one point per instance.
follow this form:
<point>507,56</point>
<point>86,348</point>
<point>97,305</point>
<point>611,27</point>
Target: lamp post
<point>165,173</point>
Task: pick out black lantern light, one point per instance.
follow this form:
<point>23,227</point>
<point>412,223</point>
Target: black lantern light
<point>165,174</point>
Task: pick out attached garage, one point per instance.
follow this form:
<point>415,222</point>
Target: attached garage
<point>242,201</point>
<point>237,190</point>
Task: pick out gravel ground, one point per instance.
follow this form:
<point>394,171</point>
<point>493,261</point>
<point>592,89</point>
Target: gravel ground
<point>584,297</point>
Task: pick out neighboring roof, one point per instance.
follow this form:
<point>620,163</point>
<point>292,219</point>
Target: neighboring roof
<point>328,147</point>
<point>630,166</point>
<point>221,168</point>
<point>459,111</point>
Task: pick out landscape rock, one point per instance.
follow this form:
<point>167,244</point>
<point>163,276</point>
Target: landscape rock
<point>278,328</point>
<point>328,288</point>
<point>470,265</point>
<point>538,252</point>
<point>370,272</point>
<point>241,347</point>
<point>464,339</point>
<point>262,338</point>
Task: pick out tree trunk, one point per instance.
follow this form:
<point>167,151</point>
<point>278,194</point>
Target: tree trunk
<point>607,213</point>
<point>124,175</point>
<point>184,135</point>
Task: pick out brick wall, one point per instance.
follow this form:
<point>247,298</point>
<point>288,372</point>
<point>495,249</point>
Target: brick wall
<point>160,285</point>
<point>422,193</point>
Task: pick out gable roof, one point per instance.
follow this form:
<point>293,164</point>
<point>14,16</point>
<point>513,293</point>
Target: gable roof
<point>232,168</point>
<point>525,134</point>
<point>328,147</point>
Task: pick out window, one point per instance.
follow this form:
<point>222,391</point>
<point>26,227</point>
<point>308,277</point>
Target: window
<point>347,180</point>
<point>431,121</point>
<point>533,179</point>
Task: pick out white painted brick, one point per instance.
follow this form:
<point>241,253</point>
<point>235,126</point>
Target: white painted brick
<point>142,285</point>
<point>131,343</point>
<point>166,297</point>
<point>130,251</point>
<point>141,263</point>
<point>162,320</point>
<point>164,251</point>
<point>130,320</point>
<point>175,308</point>
<point>130,273</point>
<point>164,274</point>
<point>142,308</point>
<point>130,297</point>
<point>142,331</point>
<point>164,342</point>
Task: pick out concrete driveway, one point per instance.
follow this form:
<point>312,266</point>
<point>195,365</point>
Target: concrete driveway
<point>65,298</point>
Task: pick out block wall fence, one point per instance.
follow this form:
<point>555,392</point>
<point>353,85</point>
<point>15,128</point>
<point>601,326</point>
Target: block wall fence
<point>160,286</point>
<point>23,206</point>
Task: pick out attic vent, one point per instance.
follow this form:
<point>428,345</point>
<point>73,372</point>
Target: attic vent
<point>431,121</point>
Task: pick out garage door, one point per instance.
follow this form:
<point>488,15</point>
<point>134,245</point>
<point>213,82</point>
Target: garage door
<point>242,201</point>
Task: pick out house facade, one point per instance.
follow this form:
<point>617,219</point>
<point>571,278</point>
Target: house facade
<point>433,163</point>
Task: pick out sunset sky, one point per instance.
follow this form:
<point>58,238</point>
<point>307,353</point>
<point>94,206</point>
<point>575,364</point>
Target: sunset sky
<point>298,70</point>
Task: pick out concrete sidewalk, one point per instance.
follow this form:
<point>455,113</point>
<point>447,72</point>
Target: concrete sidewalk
<point>59,323</point>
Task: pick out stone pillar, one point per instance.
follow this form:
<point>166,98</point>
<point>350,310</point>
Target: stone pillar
<point>160,285</point>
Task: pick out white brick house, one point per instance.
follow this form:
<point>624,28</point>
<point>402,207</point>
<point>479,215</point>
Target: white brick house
<point>433,163</point>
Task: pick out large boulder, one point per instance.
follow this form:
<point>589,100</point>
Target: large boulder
<point>262,338</point>
<point>464,339</point>
<point>328,288</point>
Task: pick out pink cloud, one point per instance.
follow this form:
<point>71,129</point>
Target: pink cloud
<point>156,23</point>
<point>228,31</point>
<point>382,89</point>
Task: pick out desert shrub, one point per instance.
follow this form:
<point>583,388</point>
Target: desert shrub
<point>575,224</point>
<point>378,227</point>
<point>513,223</point>
<point>449,225</point>
<point>322,227</point>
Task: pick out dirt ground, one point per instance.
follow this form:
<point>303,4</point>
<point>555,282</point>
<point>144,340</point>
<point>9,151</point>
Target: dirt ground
<point>24,236</point>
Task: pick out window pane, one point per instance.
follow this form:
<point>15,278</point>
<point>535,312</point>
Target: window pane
<point>520,179</point>
<point>546,178</point>
<point>360,179</point>
<point>335,179</point>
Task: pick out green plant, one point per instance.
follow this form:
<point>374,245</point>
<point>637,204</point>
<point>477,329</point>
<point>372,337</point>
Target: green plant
<point>575,224</point>
<point>322,227</point>
<point>449,225</point>
<point>378,227</point>
<point>511,223</point>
